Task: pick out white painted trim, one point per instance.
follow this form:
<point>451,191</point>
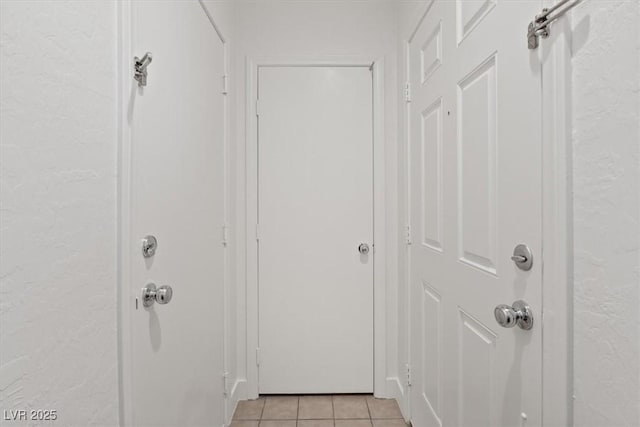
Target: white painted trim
<point>405,404</point>
<point>379,234</point>
<point>213,23</point>
<point>251,166</point>
<point>396,391</point>
<point>251,218</point>
<point>557,291</point>
<point>125,89</point>
<point>557,256</point>
<point>229,406</point>
<point>238,391</point>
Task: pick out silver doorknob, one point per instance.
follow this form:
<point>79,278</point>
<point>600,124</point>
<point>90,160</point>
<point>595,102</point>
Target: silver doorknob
<point>363,248</point>
<point>518,314</point>
<point>151,294</point>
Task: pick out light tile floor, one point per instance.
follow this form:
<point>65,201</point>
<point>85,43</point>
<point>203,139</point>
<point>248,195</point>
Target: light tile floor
<point>318,411</point>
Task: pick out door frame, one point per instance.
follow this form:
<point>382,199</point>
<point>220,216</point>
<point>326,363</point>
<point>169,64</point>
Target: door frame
<point>379,208</point>
<point>126,87</point>
<point>556,258</point>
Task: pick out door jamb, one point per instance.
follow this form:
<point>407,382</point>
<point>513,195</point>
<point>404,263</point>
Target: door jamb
<point>557,216</point>
<point>124,93</point>
<point>557,229</point>
<point>125,240</point>
<point>379,210</point>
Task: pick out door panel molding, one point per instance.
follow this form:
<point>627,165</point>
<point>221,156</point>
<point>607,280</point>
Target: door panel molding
<point>125,90</point>
<point>379,214</point>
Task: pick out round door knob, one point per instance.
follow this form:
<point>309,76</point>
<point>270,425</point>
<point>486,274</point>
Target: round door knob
<point>518,314</point>
<point>164,294</point>
<point>151,294</point>
<point>363,248</point>
<point>505,316</point>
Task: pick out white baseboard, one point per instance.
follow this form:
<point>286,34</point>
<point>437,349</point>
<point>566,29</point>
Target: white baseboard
<point>397,391</point>
<point>238,392</point>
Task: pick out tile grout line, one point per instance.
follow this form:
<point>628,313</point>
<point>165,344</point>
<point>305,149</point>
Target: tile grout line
<point>333,409</point>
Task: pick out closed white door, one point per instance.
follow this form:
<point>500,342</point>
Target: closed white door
<point>315,208</point>
<point>177,191</point>
<point>475,193</point>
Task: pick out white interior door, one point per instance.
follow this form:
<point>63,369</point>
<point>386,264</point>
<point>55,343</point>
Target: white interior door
<point>178,196</point>
<point>315,208</point>
<point>475,193</point>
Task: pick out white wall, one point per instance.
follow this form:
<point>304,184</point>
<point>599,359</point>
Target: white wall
<point>303,29</point>
<point>606,178</point>
<point>58,210</point>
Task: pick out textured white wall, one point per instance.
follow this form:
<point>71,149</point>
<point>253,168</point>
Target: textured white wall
<point>606,177</point>
<point>57,223</point>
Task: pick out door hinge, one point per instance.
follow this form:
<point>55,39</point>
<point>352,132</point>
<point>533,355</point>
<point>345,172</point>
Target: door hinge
<point>408,375</point>
<point>407,92</point>
<point>225,383</point>
<point>408,234</point>
<point>225,90</point>
<point>257,232</point>
<point>258,360</point>
<point>225,235</point>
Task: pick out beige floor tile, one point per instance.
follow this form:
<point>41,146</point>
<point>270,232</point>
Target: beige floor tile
<point>315,407</point>
<point>244,424</point>
<point>389,423</point>
<point>345,406</point>
<point>353,423</point>
<point>280,408</point>
<point>278,423</point>
<point>383,408</point>
<point>249,410</point>
<point>315,423</point>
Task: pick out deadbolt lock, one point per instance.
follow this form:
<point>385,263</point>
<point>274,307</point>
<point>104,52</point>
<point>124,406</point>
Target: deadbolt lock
<point>149,246</point>
<point>522,257</point>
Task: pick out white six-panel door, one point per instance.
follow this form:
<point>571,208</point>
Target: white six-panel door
<point>177,195</point>
<point>315,208</point>
<point>475,193</point>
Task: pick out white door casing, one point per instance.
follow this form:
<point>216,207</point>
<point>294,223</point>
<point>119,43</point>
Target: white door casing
<point>475,193</point>
<point>315,186</point>
<point>249,164</point>
<point>173,188</point>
